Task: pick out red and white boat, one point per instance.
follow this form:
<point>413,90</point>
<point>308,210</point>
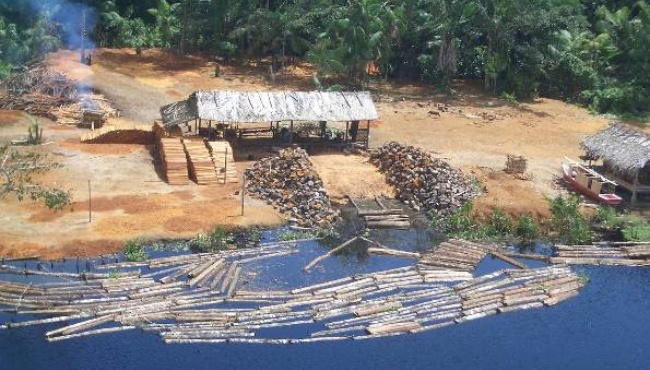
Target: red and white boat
<point>590,183</point>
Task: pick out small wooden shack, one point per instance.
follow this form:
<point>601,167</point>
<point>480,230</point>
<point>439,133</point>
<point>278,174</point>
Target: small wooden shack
<point>625,152</point>
<point>244,111</point>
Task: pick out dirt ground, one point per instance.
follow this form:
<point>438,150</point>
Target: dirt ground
<point>129,198</point>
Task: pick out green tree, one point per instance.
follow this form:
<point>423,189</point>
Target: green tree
<point>363,34</point>
<point>167,27</point>
<point>17,168</point>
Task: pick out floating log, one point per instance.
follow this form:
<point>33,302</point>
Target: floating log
<point>81,326</point>
<point>509,260</point>
<point>530,256</point>
<point>233,283</point>
<point>512,301</point>
<point>91,332</point>
<point>601,262</point>
<point>520,307</point>
<point>371,310</point>
<point>392,328</point>
<point>211,268</point>
<point>433,327</point>
<point>11,325</point>
<point>318,259</point>
<point>393,252</point>
<point>559,298</point>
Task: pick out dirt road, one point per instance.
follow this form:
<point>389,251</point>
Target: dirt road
<point>129,198</point>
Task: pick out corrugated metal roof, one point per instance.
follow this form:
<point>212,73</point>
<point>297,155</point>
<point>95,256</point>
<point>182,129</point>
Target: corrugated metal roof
<point>249,107</point>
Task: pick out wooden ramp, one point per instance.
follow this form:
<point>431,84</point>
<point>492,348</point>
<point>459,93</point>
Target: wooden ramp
<point>201,167</point>
<point>120,134</point>
<point>224,162</point>
<point>378,216</point>
<point>174,160</point>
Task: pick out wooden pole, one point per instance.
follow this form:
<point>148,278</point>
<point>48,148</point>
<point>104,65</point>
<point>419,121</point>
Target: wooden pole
<point>243,190</point>
<point>225,166</point>
<point>636,187</point>
<point>331,252</point>
<point>90,204</point>
<point>368,136</point>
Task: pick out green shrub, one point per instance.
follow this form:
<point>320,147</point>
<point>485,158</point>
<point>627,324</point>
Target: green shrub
<point>499,224</point>
<point>635,228</point>
<point>217,240</point>
<point>134,251</point>
<point>295,235</point>
<point>567,222</point>
<point>527,229</point>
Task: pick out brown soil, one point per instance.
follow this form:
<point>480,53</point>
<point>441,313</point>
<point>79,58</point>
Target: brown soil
<point>129,198</point>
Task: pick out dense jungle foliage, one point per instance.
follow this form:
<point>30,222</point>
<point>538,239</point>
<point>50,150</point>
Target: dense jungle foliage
<point>592,52</point>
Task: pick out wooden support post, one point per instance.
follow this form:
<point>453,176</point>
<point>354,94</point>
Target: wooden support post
<point>635,188</point>
<point>368,136</point>
<point>347,127</point>
<point>225,166</point>
<point>291,130</point>
<point>243,190</point>
<point>90,204</point>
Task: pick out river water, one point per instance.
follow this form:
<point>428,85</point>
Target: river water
<point>606,327</point>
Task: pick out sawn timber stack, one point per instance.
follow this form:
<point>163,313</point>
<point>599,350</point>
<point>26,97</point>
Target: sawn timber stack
<point>174,160</point>
<point>201,167</point>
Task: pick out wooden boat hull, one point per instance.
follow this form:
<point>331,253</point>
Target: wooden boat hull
<point>610,199</point>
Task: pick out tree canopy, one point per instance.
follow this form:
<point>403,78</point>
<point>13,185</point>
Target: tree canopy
<point>595,53</point>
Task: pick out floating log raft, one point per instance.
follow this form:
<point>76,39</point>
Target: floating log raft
<point>457,255</point>
<point>625,254</point>
<point>198,298</point>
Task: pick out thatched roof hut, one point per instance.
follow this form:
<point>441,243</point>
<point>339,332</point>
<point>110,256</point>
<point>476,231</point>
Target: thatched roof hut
<point>625,151</point>
<point>254,107</point>
<point>625,148</point>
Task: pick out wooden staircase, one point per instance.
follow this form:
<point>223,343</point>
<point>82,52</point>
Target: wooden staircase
<point>224,162</point>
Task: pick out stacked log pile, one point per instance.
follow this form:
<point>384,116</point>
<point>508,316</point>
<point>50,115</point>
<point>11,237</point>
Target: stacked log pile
<point>619,254</point>
<point>421,181</point>
<point>39,91</point>
<point>224,162</point>
<point>289,183</point>
<point>200,163</point>
<point>174,160</point>
<point>200,298</point>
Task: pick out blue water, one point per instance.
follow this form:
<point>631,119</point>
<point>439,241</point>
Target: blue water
<point>606,327</point>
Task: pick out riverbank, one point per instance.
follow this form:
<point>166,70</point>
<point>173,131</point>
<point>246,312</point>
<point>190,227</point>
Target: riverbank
<point>129,198</point>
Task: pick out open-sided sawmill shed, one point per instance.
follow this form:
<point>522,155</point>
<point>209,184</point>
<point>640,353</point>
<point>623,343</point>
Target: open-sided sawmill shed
<point>251,113</point>
<point>273,118</point>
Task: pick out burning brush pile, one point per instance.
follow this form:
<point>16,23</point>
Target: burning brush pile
<point>42,92</point>
<point>421,181</point>
<point>289,183</point>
